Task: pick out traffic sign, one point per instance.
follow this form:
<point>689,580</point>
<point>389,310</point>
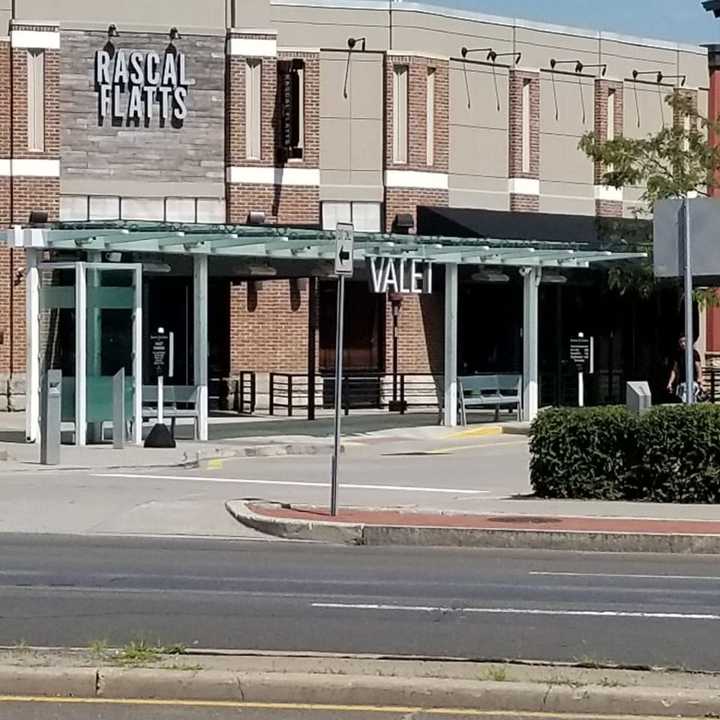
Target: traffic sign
<point>344,245</point>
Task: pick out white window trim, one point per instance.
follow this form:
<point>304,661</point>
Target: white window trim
<point>526,125</point>
<point>36,100</point>
<point>400,114</point>
<point>253,109</point>
<point>430,118</point>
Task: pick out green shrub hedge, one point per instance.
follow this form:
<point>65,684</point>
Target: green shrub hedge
<point>670,454</point>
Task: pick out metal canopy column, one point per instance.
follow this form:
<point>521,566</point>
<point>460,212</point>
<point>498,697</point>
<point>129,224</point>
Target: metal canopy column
<point>531,284</point>
<point>451,318</point>
<point>80,354</point>
<point>200,337</point>
<point>32,318</point>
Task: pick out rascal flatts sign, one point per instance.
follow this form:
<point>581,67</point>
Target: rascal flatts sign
<point>136,89</point>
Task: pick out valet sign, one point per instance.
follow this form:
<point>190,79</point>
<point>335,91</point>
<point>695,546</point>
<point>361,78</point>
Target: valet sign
<point>400,275</point>
<point>134,88</point>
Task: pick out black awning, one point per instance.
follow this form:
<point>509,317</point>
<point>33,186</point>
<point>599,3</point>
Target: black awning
<point>586,230</point>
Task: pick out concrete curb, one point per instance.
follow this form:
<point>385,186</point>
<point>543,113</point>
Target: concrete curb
<point>360,534</point>
<point>328,689</point>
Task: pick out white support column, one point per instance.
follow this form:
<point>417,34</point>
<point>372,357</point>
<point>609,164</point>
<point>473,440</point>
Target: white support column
<point>32,320</point>
<point>451,317</point>
<point>137,357</point>
<point>200,348</point>
<point>531,284</point>
<point>80,354</point>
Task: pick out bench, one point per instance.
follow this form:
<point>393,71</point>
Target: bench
<point>495,391</point>
<point>173,395</point>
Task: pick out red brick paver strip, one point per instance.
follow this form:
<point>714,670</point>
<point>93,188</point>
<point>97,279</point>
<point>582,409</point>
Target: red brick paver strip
<point>490,522</point>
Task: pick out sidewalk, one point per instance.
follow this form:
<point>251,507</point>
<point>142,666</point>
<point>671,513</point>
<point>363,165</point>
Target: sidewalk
<point>394,526</point>
<point>341,684</point>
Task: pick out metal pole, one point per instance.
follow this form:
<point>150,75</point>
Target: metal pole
<point>395,310</point>
<point>338,389</point>
<point>689,336</point>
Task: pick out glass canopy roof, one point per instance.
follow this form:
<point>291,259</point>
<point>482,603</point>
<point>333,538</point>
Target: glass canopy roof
<point>270,242</point>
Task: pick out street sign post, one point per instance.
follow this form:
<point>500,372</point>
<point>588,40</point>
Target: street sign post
<point>344,247</point>
<point>581,353</point>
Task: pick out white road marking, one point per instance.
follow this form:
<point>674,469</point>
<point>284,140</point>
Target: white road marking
<point>521,611</point>
<point>292,483</point>
<point>627,575</point>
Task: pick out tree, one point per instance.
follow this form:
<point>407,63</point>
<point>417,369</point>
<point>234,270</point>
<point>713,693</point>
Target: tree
<point>671,163</point>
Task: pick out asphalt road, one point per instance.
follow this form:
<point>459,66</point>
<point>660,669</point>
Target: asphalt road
<point>71,711</point>
<point>658,610</point>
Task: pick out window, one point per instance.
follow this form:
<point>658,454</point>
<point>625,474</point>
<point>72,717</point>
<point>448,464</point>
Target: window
<point>36,100</point>
<point>526,126</point>
<point>611,115</point>
<point>430,117</point>
<point>400,113</point>
<point>253,110</point>
<point>365,216</point>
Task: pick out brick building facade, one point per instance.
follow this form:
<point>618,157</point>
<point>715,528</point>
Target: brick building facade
<point>309,115</point>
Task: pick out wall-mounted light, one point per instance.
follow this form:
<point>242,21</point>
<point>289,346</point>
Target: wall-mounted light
<point>112,31</point>
<point>580,66</point>
<point>173,34</point>
<point>256,217</point>
<point>659,76</point>
<point>352,42</point>
<point>493,56</point>
<point>465,51</point>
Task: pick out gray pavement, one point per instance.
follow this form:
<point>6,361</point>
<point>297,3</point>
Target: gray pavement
<point>486,475</point>
<point>550,606</point>
<point>100,711</point>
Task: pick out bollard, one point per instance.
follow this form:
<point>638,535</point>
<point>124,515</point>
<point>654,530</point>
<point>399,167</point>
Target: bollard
<point>119,409</point>
<point>50,417</point>
<point>639,399</point>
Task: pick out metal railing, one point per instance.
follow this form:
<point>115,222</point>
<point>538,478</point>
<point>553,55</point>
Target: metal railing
<point>289,391</point>
<point>236,393</point>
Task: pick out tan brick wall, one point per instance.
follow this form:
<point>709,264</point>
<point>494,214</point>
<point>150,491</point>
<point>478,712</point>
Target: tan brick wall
<point>268,326</point>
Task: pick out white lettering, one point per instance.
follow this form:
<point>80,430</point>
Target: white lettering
<point>121,76</point>
<point>150,96</point>
<point>137,76</point>
<point>180,109</point>
<point>376,274</point>
<point>165,93</point>
<point>427,279</point>
<point>116,105</point>
<point>152,69</point>
<point>130,83</point>
<point>102,67</point>
<point>169,73</point>
<point>401,276</point>
<point>182,74</point>
<point>415,276</point>
<point>105,101</point>
<point>391,276</point>
<point>135,106</point>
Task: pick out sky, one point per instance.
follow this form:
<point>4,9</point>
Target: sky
<point>679,20</point>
